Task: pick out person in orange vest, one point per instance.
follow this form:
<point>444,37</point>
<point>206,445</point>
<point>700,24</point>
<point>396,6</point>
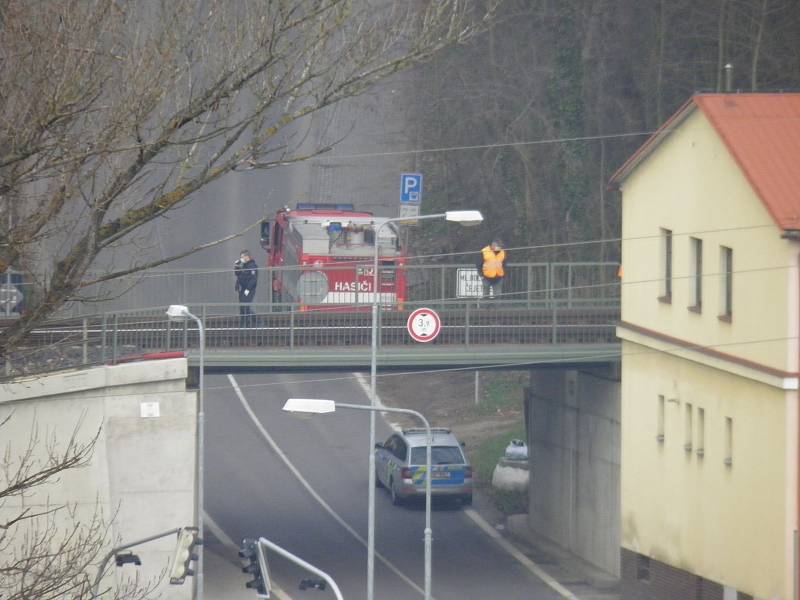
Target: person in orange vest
<point>491,268</point>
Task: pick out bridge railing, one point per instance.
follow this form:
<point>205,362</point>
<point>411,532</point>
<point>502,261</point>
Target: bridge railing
<point>526,284</point>
<point>114,335</point>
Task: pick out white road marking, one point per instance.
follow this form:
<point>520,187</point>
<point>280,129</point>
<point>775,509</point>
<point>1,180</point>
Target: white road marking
<point>519,556</point>
<point>312,491</point>
<point>362,381</point>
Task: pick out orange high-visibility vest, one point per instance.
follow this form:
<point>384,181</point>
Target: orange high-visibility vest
<point>493,262</point>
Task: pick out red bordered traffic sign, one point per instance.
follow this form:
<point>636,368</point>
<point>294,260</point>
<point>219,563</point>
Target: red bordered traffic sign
<point>424,325</point>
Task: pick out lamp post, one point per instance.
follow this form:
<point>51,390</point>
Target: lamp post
<point>465,217</point>
<point>314,406</point>
<point>179,312</point>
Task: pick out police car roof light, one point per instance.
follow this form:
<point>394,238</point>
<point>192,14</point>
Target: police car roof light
<point>422,430</point>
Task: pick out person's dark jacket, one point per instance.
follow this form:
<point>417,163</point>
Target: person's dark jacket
<point>247,278</point>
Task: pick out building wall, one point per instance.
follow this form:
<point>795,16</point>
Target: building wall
<point>692,186</point>
<point>682,505</point>
<point>574,453</point>
<point>142,473</point>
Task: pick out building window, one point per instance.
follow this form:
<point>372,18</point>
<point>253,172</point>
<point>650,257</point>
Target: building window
<point>696,274</point>
<point>642,568</point>
<point>665,291</point>
<point>726,283</point>
<point>728,441</point>
<point>687,427</point>
<point>660,418</point>
<point>701,432</point>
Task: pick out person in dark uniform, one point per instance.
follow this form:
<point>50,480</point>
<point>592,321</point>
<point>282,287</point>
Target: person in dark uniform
<point>246,271</point>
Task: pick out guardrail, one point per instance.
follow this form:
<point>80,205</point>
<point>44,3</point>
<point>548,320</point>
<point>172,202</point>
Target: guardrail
<point>527,284</point>
<point>115,335</point>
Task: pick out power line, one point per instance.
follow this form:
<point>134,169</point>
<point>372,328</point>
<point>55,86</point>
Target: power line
<point>585,138</point>
<point>616,240</point>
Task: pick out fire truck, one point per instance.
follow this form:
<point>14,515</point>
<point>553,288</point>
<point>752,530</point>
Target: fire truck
<point>321,257</point>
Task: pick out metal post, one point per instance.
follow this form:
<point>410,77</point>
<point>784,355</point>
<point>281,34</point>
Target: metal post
<point>569,285</point>
<point>477,387</point>
<point>428,533</point>
<point>307,566</point>
<point>291,327</point>
<point>466,324</point>
<point>114,338</point>
<point>529,286</point>
<point>443,283</point>
<point>103,341</point>
<point>85,354</point>
<point>374,402</point>
<point>200,458</point>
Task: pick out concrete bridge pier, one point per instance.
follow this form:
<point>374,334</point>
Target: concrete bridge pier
<point>573,422</point>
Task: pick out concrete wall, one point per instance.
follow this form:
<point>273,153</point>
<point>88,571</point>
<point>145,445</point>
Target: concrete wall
<point>142,472</point>
<point>574,445</point>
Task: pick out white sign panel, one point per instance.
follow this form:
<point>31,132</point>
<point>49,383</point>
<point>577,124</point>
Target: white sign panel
<point>470,284</point>
<point>149,410</point>
<point>410,211</point>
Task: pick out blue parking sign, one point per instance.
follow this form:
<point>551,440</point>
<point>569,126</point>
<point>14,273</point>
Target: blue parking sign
<point>411,188</point>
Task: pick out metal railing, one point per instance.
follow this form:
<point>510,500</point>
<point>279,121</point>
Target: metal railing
<point>541,303</point>
<point>526,284</point>
<point>115,335</point>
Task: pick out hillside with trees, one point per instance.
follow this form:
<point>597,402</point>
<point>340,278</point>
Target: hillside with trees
<point>554,98</point>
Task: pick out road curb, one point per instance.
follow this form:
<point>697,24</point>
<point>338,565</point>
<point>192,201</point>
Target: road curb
<point>519,556</point>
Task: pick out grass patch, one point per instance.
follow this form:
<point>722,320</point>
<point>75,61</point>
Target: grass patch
<point>501,390</point>
<point>484,459</point>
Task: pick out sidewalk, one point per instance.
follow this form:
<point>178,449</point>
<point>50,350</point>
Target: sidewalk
<point>582,580</point>
<point>224,579</point>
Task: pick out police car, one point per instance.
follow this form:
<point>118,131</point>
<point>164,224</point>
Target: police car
<point>400,465</point>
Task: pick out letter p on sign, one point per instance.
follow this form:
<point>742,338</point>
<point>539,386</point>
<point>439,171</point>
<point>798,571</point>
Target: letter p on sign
<point>411,188</point>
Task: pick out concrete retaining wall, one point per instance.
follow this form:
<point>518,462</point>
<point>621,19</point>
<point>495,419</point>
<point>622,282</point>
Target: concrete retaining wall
<point>142,472</point>
<point>574,445</point>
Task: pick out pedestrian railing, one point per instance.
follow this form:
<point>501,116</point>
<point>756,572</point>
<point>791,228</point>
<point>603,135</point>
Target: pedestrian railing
<point>115,335</point>
<point>528,285</point>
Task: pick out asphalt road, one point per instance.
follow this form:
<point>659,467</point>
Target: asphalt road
<point>303,484</point>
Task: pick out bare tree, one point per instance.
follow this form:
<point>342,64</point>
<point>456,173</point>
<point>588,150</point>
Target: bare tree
<point>114,114</point>
<point>51,550</point>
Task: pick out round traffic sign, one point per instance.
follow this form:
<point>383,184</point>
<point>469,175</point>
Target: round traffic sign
<point>424,325</point>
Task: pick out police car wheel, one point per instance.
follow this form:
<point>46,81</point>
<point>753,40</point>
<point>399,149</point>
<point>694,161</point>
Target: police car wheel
<point>396,500</point>
<point>467,500</point>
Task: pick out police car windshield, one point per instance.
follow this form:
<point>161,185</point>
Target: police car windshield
<point>440,455</point>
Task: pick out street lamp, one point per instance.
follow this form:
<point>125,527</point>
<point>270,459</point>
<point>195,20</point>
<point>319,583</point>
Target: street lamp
<point>465,217</point>
<point>315,406</point>
<point>179,313</point>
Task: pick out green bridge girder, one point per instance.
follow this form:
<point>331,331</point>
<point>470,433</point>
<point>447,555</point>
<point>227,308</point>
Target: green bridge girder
<point>412,358</point>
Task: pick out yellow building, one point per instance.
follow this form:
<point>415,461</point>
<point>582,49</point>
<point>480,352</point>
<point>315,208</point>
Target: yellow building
<point>709,329</point>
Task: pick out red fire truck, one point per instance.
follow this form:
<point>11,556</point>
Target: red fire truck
<point>323,256</point>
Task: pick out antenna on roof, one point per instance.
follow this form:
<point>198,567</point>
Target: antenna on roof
<point>728,77</point>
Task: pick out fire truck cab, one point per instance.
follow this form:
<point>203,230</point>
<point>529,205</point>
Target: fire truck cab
<point>321,256</point>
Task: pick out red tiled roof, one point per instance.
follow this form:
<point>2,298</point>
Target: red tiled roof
<point>762,133</point>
